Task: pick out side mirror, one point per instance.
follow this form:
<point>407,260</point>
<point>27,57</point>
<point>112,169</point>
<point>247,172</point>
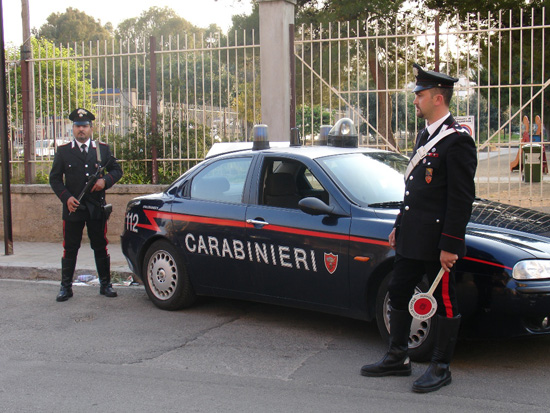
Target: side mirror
<point>314,206</point>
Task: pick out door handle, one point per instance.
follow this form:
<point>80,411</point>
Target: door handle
<point>256,222</point>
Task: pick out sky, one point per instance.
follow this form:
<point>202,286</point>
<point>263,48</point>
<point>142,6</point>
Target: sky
<point>200,13</point>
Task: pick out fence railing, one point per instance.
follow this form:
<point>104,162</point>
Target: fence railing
<point>363,69</point>
<point>208,90</point>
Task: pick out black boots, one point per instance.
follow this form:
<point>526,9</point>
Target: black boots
<point>103,266</point>
<point>67,272</point>
<point>438,374</point>
<point>396,361</point>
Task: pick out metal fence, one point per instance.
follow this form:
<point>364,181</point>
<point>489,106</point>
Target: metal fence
<point>206,88</point>
<point>363,69</point>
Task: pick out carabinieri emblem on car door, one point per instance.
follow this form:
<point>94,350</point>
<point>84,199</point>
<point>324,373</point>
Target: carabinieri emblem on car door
<point>331,262</point>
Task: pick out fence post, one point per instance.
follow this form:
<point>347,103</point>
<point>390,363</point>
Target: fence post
<point>154,110</point>
<point>27,91</point>
<point>275,65</point>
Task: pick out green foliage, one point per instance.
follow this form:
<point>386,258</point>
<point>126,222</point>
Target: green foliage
<point>174,143</point>
<point>60,78</point>
<point>324,11</point>
<point>465,7</point>
<point>42,175</point>
<point>246,24</point>
<point>73,26</point>
<point>156,21</point>
<point>311,119</point>
<point>511,52</point>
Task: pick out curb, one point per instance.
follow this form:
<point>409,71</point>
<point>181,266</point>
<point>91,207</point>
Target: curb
<point>49,273</point>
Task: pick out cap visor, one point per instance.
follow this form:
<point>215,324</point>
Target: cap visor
<point>419,88</point>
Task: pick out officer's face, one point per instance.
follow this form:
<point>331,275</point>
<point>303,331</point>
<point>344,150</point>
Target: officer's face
<point>424,103</point>
<point>82,132</point>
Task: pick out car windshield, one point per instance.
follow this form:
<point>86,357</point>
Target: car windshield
<point>368,179</point>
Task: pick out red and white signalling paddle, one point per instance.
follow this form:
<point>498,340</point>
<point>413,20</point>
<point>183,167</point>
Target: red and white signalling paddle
<point>423,305</point>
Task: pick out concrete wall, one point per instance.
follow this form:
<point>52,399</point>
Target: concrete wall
<point>36,211</point>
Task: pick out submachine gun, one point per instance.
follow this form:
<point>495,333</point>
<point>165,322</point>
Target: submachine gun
<point>107,208</point>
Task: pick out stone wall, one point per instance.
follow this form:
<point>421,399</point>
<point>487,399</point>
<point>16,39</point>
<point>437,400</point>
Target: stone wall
<point>36,211</point>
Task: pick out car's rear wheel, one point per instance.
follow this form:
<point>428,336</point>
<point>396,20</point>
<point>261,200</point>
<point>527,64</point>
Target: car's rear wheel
<point>165,278</point>
<point>422,337</point>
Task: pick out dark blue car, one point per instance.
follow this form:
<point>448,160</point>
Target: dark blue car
<point>307,227</point>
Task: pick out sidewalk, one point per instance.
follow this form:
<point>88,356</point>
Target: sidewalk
<point>42,261</point>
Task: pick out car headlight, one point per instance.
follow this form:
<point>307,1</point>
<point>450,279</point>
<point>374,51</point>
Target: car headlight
<point>531,270</point>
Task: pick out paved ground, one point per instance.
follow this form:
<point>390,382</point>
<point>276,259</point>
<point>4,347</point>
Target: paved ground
<point>95,354</point>
<point>42,261</point>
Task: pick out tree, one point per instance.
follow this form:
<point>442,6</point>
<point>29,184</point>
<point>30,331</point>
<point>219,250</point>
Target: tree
<point>507,53</point>
<point>345,10</point>
<point>73,26</point>
<point>247,23</point>
<point>371,16</point>
<point>156,21</point>
<point>59,79</point>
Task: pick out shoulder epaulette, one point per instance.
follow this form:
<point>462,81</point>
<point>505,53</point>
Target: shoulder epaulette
<point>459,129</point>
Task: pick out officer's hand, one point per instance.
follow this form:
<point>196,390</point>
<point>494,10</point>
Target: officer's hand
<point>72,204</point>
<point>99,185</point>
<point>448,260</point>
<point>391,238</point>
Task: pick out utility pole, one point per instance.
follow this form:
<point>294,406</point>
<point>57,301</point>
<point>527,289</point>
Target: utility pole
<point>27,90</point>
<point>6,191</point>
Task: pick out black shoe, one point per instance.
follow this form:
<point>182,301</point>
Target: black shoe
<point>436,376</point>
<point>64,294</point>
<point>396,361</point>
<point>107,291</point>
<point>390,365</point>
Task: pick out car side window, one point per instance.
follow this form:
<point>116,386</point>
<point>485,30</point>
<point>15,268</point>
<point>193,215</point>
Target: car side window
<point>285,182</point>
<point>221,181</point>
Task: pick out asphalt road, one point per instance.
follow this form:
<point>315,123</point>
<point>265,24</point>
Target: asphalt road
<point>95,354</point>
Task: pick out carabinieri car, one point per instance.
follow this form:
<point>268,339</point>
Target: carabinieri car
<point>307,227</point>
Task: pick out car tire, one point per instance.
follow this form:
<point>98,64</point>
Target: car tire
<point>165,277</point>
<point>422,337</point>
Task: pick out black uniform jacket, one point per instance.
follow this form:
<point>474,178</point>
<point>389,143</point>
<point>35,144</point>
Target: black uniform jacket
<point>70,172</point>
<point>438,198</point>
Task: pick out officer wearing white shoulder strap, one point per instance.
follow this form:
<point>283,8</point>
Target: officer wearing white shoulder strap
<point>429,231</point>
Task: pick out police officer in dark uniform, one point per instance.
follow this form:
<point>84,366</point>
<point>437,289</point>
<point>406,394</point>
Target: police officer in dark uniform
<point>429,231</point>
<point>74,163</point>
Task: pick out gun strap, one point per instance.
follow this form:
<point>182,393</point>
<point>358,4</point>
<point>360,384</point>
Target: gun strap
<point>98,153</point>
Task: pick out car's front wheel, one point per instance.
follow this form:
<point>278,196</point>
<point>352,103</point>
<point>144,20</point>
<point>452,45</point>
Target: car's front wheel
<point>165,278</point>
<point>422,337</point>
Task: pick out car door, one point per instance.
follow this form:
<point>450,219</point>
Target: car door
<point>294,255</point>
<point>209,224</point>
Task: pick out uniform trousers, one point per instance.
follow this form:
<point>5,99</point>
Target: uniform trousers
<point>72,237</point>
<point>408,273</point>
